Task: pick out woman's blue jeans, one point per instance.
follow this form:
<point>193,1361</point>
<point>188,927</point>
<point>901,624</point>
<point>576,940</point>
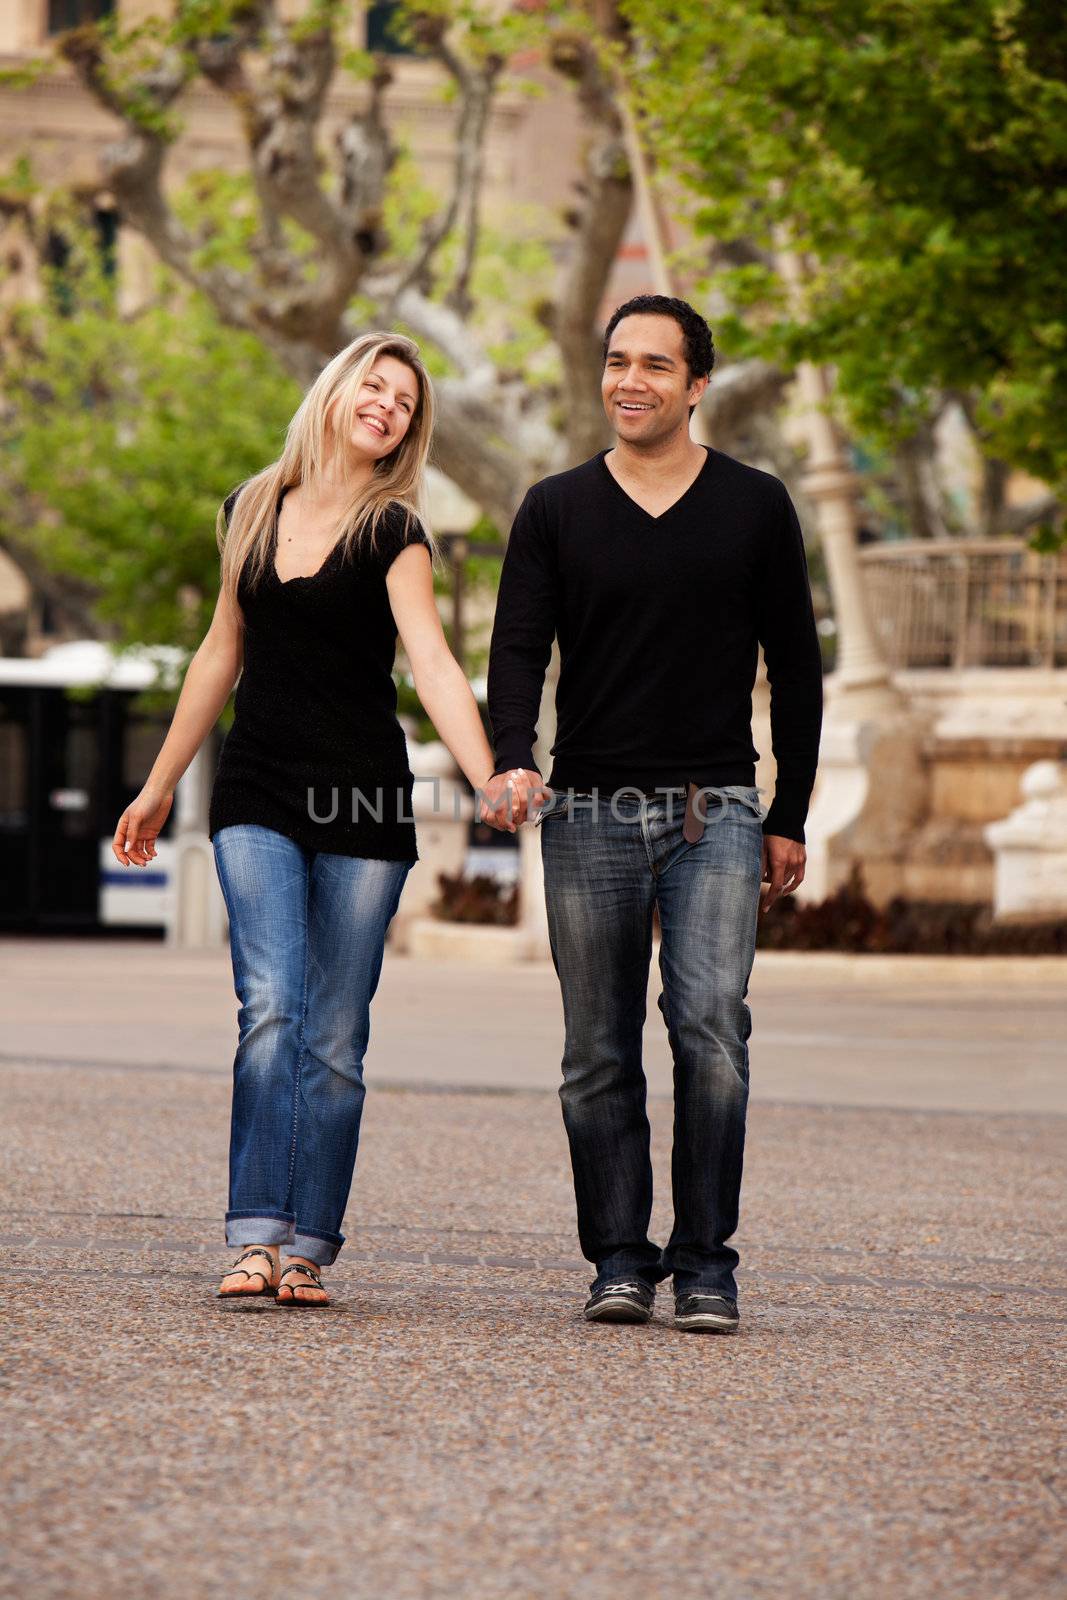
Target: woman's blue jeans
<point>307,936</point>
<point>605,872</point>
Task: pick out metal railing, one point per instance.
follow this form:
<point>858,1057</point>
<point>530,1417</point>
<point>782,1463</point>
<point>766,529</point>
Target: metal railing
<point>967,603</point>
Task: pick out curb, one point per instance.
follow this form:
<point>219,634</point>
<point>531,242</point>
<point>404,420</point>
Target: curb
<point>1040,971</point>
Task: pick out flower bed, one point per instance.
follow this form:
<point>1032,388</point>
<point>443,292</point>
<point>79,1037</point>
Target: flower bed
<point>847,921</point>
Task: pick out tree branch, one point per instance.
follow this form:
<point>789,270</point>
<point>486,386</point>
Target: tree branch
<point>366,156</point>
<point>133,165</point>
<point>606,191</point>
<point>736,392</point>
<point>482,439</point>
<point>72,598</point>
<point>220,60</point>
<point>444,327</point>
<point>476,87</point>
<point>281,114</point>
<point>1017,520</point>
<point>918,484</point>
<point>479,452</point>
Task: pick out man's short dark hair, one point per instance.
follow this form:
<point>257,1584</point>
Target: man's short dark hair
<point>696,335</point>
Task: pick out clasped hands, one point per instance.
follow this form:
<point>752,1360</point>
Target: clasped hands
<point>509,798</point>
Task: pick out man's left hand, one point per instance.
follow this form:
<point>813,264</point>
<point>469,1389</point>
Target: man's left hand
<point>783,867</point>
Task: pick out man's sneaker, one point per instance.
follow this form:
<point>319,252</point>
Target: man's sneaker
<point>625,1301</point>
<point>705,1313</point>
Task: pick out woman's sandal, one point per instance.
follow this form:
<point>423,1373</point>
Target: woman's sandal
<point>294,1299</point>
<point>250,1294</point>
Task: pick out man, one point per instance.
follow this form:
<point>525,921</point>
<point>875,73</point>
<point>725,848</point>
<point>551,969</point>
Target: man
<point>659,565</point>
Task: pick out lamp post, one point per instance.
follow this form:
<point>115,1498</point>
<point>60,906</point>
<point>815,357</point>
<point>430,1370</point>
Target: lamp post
<point>872,787</point>
<point>861,686</point>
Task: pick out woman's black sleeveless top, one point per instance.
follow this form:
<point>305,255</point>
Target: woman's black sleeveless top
<point>315,750</point>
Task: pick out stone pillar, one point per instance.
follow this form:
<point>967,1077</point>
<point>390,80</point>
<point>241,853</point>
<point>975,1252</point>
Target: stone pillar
<point>442,810</point>
<point>533,917</point>
<point>198,920</point>
<point>1030,849</point>
<point>871,788</point>
<point>766,767</point>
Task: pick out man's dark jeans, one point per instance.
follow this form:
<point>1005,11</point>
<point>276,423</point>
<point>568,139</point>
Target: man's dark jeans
<point>605,870</point>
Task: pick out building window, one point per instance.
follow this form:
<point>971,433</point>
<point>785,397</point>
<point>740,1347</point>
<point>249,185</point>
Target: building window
<point>64,14</point>
<point>382,18</point>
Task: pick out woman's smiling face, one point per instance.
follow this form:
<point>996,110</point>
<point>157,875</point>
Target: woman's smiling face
<point>385,405</point>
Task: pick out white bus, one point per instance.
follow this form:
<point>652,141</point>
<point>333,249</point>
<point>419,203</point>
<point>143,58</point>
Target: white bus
<point>75,749</point>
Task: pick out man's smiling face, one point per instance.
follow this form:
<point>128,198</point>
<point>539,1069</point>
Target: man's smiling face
<point>646,387</point>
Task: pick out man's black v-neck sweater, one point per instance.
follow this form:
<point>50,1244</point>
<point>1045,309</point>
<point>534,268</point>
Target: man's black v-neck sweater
<point>659,621</point>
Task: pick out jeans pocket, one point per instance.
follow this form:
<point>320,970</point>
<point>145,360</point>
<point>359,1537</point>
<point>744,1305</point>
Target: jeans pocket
<point>750,799</point>
<point>735,801</point>
<point>556,807</point>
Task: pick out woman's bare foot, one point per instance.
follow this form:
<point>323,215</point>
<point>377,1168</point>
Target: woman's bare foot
<point>253,1276</point>
<point>300,1283</point>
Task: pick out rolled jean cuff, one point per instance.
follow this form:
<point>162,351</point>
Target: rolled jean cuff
<point>321,1248</point>
<point>259,1227</point>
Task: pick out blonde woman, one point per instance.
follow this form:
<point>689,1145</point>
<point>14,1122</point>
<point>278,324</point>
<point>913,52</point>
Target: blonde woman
<point>325,557</point>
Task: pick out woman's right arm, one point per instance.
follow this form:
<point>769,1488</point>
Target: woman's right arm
<point>209,682</point>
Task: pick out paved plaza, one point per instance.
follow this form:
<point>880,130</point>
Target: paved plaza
<point>888,1423</point>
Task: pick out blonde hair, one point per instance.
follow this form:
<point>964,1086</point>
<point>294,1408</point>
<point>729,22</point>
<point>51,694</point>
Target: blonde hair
<point>329,407</point>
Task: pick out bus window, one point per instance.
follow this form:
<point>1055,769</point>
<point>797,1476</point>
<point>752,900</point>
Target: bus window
<point>144,734</point>
<point>73,798</point>
<point>14,765</point>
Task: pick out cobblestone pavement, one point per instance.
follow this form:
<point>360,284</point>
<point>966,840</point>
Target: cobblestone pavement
<point>886,1424</point>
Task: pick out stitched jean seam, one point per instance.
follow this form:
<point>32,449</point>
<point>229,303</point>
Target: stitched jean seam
<point>303,1025</point>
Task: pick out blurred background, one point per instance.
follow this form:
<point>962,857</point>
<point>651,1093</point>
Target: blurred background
<point>201,202</point>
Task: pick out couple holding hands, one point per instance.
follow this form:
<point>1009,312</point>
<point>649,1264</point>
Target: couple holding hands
<point>660,566</point>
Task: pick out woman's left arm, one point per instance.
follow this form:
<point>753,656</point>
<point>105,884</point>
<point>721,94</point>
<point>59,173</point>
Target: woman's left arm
<point>439,681</point>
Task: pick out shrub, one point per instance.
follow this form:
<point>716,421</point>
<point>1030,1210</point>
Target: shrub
<point>477,899</point>
<point>848,921</point>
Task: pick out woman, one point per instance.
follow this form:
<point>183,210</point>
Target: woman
<point>324,558</point>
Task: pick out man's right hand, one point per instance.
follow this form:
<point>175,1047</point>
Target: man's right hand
<point>783,868</point>
<point>508,798</point>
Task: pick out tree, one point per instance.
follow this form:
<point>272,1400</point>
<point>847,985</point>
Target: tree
<point>914,154</point>
<point>308,246</point>
<point>120,435</point>
<point>319,263</point>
